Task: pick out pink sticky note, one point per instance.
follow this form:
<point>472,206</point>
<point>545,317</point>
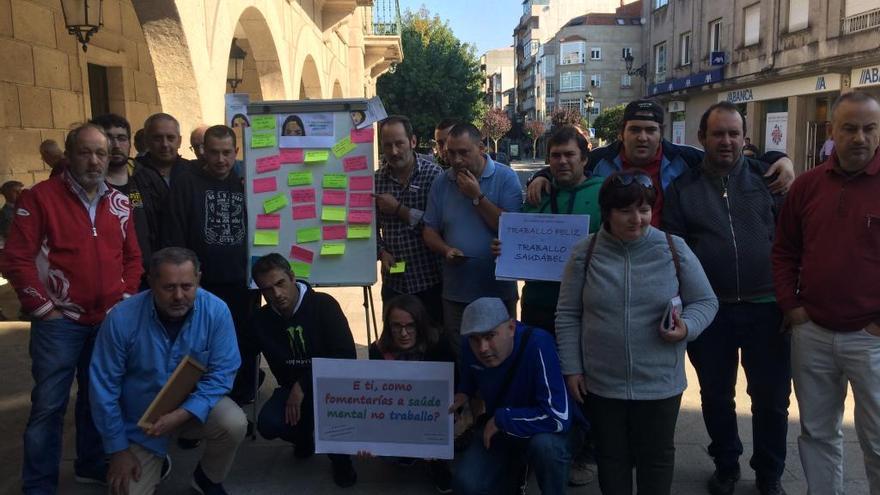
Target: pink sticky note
<point>362,135</point>
<point>354,163</point>
<point>291,155</point>
<point>304,212</point>
<point>334,197</point>
<point>360,200</point>
<point>360,216</point>
<point>268,164</point>
<point>268,221</point>
<point>301,254</point>
<point>265,184</point>
<point>303,195</point>
<point>334,232</point>
<point>363,183</point>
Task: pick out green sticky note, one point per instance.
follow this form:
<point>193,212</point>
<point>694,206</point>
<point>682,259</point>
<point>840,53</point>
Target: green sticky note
<point>343,147</point>
<point>333,249</point>
<point>300,269</point>
<point>274,203</point>
<point>359,231</point>
<point>263,140</point>
<point>308,234</point>
<point>315,156</point>
<point>335,181</point>
<point>263,122</point>
<point>299,179</point>
<point>266,238</point>
<point>398,267</point>
<point>333,214</point>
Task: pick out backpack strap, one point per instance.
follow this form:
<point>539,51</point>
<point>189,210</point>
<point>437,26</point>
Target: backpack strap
<point>675,259</point>
<point>590,248</point>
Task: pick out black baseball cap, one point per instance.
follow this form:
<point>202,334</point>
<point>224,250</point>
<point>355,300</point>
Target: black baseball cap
<point>643,110</point>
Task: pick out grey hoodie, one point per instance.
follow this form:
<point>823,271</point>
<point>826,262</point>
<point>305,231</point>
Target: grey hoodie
<point>608,328</point>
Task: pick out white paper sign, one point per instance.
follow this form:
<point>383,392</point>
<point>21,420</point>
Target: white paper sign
<point>306,130</point>
<point>387,408</point>
<point>535,246</point>
<point>776,130</point>
<point>678,132</point>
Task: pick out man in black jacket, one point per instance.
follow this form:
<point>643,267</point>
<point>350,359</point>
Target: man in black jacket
<point>726,212</point>
<point>162,138</point>
<point>144,187</point>
<point>206,213</point>
<point>296,325</point>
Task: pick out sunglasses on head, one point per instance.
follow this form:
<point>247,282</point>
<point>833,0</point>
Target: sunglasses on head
<point>624,180</point>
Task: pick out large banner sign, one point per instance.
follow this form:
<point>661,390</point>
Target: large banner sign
<point>535,246</point>
<point>387,408</point>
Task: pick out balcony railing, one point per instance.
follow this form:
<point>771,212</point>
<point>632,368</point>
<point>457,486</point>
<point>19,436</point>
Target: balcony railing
<point>386,18</point>
<point>861,22</point>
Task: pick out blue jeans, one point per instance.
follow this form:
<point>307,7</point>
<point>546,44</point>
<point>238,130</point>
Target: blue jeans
<point>482,472</point>
<point>754,331</point>
<point>59,350</point>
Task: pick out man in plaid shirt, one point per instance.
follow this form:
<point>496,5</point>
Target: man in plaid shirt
<point>402,186</point>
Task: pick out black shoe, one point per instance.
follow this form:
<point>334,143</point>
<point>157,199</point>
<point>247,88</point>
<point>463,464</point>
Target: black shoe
<point>344,474</point>
<point>166,468</point>
<point>770,487</point>
<point>203,485</point>
<point>723,483</point>
<point>441,476</point>
<point>188,443</point>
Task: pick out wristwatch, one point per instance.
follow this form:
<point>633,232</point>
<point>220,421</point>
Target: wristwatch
<point>476,201</point>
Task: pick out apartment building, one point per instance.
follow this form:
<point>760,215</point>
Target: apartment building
<point>497,67</point>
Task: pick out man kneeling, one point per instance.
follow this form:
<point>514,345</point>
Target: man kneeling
<point>516,371</point>
<point>141,342</point>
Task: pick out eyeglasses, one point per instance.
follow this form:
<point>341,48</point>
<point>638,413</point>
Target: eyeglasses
<point>624,180</point>
<point>399,329</point>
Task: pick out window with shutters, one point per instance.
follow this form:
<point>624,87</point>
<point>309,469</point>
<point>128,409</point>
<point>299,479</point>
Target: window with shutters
<point>685,47</point>
<point>752,24</point>
<point>798,14</point>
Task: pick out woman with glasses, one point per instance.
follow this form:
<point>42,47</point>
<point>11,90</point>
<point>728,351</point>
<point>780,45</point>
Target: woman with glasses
<point>409,334</point>
<point>622,339</point>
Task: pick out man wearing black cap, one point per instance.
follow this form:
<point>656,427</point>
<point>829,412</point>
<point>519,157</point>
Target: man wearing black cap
<point>641,145</point>
<point>516,370</point>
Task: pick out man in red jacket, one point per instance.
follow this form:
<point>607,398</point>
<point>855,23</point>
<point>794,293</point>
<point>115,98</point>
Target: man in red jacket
<point>72,255</point>
<point>826,271</point>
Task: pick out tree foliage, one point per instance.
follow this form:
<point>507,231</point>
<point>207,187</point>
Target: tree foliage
<point>496,123</point>
<point>567,116</point>
<point>607,124</point>
<point>438,78</point>
<point>534,129</point>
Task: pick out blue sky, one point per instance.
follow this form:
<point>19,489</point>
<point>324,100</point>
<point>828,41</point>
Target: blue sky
<point>487,24</point>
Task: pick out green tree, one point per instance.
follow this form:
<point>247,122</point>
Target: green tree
<point>607,124</point>
<point>438,78</point>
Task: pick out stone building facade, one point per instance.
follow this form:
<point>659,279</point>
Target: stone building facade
<point>498,78</point>
<point>172,56</point>
<point>784,62</point>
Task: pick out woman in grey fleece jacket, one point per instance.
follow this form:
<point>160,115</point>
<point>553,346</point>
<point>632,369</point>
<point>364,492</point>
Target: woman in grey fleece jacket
<point>615,359</point>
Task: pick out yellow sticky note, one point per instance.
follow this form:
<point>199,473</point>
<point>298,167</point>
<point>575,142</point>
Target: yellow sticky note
<point>333,214</point>
<point>300,269</point>
<point>343,147</point>
<point>263,122</point>
<point>266,238</point>
<point>315,156</point>
<point>398,267</point>
<point>335,181</point>
<point>359,231</point>
<point>299,179</point>
<point>308,234</point>
<point>333,249</point>
<point>263,140</point>
<point>274,203</point>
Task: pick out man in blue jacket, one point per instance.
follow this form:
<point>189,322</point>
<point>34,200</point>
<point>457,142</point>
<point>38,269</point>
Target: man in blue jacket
<point>140,344</point>
<point>515,369</point>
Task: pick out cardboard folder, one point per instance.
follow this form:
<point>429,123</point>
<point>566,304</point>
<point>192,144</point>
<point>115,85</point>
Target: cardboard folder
<point>176,390</point>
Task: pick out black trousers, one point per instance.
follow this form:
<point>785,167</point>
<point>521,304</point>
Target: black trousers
<point>538,316</point>
<point>430,297</point>
<point>634,433</point>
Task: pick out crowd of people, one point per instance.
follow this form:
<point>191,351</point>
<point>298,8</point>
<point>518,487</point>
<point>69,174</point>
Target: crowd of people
<point>126,266</point>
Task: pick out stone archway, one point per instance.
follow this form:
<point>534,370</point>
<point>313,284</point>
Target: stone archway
<point>337,89</point>
<point>310,81</point>
<point>264,79</point>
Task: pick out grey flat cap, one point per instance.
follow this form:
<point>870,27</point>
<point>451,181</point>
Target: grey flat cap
<point>483,315</point>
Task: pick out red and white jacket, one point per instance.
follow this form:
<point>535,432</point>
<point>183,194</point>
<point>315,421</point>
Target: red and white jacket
<point>57,258</point>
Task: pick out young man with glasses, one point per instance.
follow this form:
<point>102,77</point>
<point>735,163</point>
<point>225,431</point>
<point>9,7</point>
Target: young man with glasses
<point>144,187</point>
